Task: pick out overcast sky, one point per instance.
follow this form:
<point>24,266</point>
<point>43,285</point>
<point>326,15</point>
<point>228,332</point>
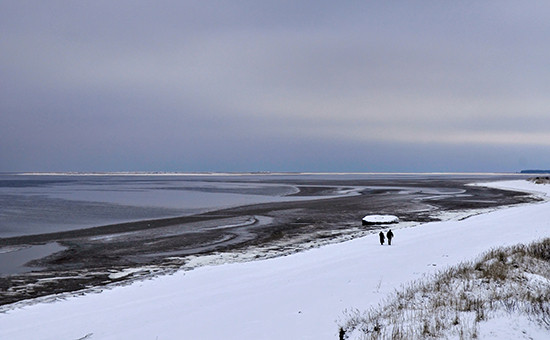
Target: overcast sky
<point>398,86</point>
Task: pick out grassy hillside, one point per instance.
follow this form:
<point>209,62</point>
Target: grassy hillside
<point>505,282</point>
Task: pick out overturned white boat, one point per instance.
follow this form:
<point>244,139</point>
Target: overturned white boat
<point>380,219</point>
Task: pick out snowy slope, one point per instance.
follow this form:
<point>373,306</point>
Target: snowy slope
<point>301,296</point>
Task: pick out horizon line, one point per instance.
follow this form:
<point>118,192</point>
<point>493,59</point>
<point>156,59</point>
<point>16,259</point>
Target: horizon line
<point>252,173</point>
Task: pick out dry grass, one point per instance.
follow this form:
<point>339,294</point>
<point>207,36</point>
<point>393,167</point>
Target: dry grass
<point>540,180</point>
<point>453,302</point>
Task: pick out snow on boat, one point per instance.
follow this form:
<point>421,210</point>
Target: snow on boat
<point>380,219</point>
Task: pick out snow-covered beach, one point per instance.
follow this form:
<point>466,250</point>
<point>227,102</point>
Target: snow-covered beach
<point>300,296</point>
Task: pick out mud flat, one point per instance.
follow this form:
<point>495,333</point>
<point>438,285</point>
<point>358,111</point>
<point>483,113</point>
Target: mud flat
<point>117,253</point>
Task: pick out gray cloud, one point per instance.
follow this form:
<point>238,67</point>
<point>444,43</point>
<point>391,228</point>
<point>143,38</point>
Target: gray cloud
<point>224,85</point>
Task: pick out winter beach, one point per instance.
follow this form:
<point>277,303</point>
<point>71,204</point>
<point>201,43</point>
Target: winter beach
<point>212,170</point>
<point>300,296</point>
<point>53,242</point>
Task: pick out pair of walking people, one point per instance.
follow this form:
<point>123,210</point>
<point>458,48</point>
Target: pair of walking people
<point>389,235</point>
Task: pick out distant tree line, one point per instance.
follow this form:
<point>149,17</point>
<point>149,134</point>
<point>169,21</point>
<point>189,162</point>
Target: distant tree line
<point>535,171</point>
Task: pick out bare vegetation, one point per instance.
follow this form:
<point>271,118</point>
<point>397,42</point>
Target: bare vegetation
<point>540,179</point>
<point>452,303</point>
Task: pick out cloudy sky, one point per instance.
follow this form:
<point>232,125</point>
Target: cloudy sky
<point>398,86</point>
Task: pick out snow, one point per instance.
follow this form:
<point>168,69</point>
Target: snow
<point>301,296</point>
<point>518,327</point>
<point>374,219</point>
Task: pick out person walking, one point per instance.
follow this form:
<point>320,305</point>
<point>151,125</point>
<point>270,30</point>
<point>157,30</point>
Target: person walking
<point>382,238</point>
<point>390,236</point>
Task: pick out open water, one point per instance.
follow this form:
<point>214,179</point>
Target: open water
<point>34,204</point>
<point>44,203</point>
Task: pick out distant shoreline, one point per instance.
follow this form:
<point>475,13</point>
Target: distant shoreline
<point>252,173</point>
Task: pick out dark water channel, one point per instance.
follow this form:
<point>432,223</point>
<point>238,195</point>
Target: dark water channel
<point>14,260</point>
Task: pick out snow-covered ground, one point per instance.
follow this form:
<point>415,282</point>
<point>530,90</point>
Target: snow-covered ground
<point>301,296</point>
